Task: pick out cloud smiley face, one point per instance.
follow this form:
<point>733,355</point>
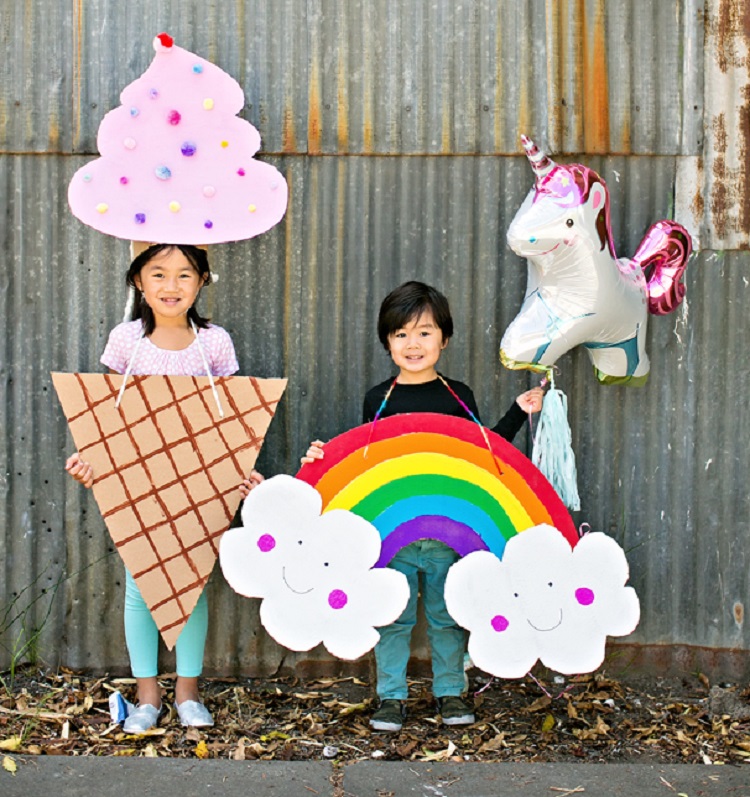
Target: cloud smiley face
<point>543,601</point>
<point>313,572</point>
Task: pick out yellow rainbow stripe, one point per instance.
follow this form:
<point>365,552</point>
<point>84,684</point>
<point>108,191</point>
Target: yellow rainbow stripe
<point>430,463</point>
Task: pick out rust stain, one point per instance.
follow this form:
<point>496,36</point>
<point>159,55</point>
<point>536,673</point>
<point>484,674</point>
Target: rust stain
<point>728,194</point>
<point>719,201</point>
<point>77,55</point>
<point>742,151</point>
<point>314,119</point>
<point>54,132</point>
<point>731,26</point>
<point>698,205</point>
<point>446,126</point>
<point>342,119</point>
<point>288,136</point>
<point>738,610</point>
<point>595,85</point>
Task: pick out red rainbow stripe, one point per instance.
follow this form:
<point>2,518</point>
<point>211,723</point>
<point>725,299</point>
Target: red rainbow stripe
<point>400,435</point>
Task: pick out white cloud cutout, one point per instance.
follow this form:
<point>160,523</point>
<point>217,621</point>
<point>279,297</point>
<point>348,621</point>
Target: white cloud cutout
<point>542,601</point>
<point>313,572</point>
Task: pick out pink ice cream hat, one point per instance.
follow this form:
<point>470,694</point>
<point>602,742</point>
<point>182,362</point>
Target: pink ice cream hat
<point>177,164</point>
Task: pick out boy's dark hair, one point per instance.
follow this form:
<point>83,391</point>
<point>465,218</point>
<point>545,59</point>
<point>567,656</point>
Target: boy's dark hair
<point>198,259</point>
<point>408,302</point>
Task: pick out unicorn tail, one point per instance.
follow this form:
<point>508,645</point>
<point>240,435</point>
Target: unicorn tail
<point>663,255</point>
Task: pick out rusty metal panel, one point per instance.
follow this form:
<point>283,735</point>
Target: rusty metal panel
<point>663,469</point>
<point>376,76</point>
<point>435,93</point>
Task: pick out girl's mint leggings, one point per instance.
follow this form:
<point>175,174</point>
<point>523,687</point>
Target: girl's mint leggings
<point>142,636</point>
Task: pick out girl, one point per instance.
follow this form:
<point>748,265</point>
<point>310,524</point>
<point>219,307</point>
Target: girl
<point>166,336</point>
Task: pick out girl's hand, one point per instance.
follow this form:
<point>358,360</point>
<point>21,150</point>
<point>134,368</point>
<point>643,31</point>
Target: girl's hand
<point>81,471</point>
<point>252,481</point>
<point>531,400</point>
<point>314,452</point>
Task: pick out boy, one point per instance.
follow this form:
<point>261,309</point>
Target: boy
<point>414,326</point>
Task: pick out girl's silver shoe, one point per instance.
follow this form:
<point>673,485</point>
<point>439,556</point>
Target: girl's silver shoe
<point>141,719</point>
<point>194,714</point>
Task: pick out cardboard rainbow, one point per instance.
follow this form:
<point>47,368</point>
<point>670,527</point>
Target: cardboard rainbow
<point>177,162</point>
<point>314,573</point>
<point>578,292</point>
<point>434,476</point>
<point>167,472</point>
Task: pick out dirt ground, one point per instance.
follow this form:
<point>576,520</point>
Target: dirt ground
<point>541,718</point>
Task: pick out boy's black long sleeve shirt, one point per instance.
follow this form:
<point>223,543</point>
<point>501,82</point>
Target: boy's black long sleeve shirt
<point>434,396</point>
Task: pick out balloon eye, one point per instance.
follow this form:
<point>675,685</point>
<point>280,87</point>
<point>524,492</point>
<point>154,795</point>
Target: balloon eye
<point>549,584</point>
<point>325,564</point>
<point>515,594</point>
<point>299,542</point>
<point>569,222</point>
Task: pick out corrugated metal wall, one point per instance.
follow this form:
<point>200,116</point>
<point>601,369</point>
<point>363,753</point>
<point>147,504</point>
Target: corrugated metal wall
<point>397,126</point>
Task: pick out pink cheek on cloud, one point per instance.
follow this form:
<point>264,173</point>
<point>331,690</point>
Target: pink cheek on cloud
<point>584,596</point>
<point>266,543</point>
<point>337,599</point>
<point>499,623</point>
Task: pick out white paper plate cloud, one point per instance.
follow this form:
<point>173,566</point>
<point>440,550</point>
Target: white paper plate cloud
<point>313,572</point>
<point>543,601</point>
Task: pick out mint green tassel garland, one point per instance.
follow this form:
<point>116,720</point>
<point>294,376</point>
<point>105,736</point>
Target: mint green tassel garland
<point>553,451</point>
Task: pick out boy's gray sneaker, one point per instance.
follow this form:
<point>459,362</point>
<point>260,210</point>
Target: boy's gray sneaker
<point>454,711</point>
<point>389,717</point>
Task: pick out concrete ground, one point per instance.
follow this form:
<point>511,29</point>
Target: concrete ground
<point>65,776</point>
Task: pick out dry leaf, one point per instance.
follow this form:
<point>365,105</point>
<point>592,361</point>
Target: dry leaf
<point>201,750</point>
<point>13,743</point>
<point>150,751</point>
<point>9,765</point>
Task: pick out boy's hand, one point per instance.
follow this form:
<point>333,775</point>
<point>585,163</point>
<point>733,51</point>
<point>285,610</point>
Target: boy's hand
<point>531,400</point>
<point>81,471</point>
<point>250,483</point>
<point>314,452</point>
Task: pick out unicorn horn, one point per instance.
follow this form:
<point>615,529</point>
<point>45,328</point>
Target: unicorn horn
<point>539,161</point>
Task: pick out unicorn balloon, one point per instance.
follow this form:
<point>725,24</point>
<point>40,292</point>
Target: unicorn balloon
<point>579,292</point>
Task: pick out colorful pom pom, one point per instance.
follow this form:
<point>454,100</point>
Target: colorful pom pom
<point>140,218</point>
<point>208,224</point>
<point>188,149</point>
<point>165,40</point>
<point>241,172</point>
<point>87,178</point>
<point>252,208</point>
<point>102,207</point>
<point>129,143</point>
<point>174,206</point>
<point>197,68</point>
<point>208,104</point>
<point>163,172</point>
<point>209,191</point>
<point>153,93</point>
<point>134,112</point>
<point>224,144</point>
<point>174,117</point>
<point>124,181</point>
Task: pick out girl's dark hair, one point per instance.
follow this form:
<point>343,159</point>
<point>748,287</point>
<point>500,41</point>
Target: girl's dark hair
<point>408,302</point>
<point>197,258</point>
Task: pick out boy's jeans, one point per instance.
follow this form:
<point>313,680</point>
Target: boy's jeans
<point>432,559</point>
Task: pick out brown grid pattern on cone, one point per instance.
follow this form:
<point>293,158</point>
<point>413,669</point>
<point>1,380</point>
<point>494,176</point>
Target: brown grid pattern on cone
<point>178,517</point>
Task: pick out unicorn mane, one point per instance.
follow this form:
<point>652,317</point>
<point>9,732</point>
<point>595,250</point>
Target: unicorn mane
<point>569,186</point>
